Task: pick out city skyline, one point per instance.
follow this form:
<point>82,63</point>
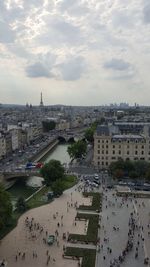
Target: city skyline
<point>72,49</point>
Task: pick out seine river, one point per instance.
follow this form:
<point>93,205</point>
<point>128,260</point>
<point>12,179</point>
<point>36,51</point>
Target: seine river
<point>26,187</point>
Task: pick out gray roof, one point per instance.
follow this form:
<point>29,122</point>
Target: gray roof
<point>127,137</point>
<point>102,130</point>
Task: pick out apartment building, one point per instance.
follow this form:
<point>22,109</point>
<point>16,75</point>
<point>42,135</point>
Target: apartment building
<point>2,146</point>
<point>128,142</point>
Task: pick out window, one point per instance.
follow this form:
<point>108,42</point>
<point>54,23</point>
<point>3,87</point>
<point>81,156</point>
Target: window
<point>98,157</point>
<point>98,141</point>
<point>142,152</point>
<point>136,152</point>
<point>106,146</point>
<point>98,163</point>
<point>142,158</point>
<point>128,152</point>
<point>102,141</point>
<point>106,151</point>
<point>102,151</point>
<point>98,151</point>
<point>102,162</point>
<point>135,158</point>
<point>102,157</point>
<point>113,146</point>
<point>106,141</point>
<point>106,163</point>
<point>102,146</point>
<point>113,151</point>
<point>113,158</point>
<point>119,146</point>
<point>127,146</point>
<point>142,147</point>
<point>106,158</point>
<point>119,152</point>
<point>136,146</point>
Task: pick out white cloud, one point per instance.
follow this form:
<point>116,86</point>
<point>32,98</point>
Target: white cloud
<point>80,43</point>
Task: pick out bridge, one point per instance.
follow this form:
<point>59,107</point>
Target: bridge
<point>71,135</point>
<point>18,174</point>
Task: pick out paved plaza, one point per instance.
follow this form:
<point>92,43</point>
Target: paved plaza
<point>113,234</point>
<point>22,247</point>
<point>21,240</point>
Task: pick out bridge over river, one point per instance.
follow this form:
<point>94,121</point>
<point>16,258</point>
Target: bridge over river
<point>7,176</point>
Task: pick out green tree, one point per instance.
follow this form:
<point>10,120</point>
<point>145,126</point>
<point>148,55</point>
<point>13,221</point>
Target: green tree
<point>118,165</point>
<point>118,174</point>
<point>141,167</point>
<point>133,174</point>
<point>128,166</point>
<point>5,207</point>
<point>147,176</point>
<point>89,135</point>
<point>77,150</point>
<point>58,187</point>
<point>52,171</point>
<point>21,204</point>
<point>48,125</point>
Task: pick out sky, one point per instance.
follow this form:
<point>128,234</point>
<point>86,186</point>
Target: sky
<point>76,52</point>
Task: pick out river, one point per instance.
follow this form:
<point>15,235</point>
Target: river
<point>59,153</point>
<point>28,186</point>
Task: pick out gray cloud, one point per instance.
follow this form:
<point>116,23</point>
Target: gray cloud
<point>117,64</point>
<point>7,35</point>
<point>38,70</point>
<point>146,11</point>
<point>73,68</point>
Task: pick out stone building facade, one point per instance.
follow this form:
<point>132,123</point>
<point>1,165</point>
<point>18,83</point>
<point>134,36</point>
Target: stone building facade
<point>127,142</point>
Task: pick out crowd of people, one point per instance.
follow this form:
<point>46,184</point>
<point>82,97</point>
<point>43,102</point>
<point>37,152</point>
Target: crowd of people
<point>135,235</point>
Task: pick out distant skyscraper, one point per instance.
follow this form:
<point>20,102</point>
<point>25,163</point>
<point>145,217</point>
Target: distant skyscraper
<point>41,102</point>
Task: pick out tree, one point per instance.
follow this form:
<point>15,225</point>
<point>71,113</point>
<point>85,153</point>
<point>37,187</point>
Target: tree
<point>52,171</point>
<point>89,135</point>
<point>21,204</point>
<point>58,187</point>
<point>148,175</point>
<point>77,150</point>
<point>5,207</point>
<point>118,165</point>
<point>141,167</point>
<point>48,125</point>
<point>118,174</point>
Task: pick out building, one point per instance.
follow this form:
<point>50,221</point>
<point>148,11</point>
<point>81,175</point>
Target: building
<point>125,141</point>
<point>2,146</point>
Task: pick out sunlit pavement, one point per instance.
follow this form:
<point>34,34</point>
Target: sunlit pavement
<point>118,239</point>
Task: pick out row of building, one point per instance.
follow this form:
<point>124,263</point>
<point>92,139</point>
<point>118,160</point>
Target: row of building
<point>121,140</point>
<point>17,138</point>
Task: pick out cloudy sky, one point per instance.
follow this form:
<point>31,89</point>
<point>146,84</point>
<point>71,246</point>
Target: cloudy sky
<point>77,52</point>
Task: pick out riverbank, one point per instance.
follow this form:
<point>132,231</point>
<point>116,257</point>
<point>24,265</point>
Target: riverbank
<point>42,154</point>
